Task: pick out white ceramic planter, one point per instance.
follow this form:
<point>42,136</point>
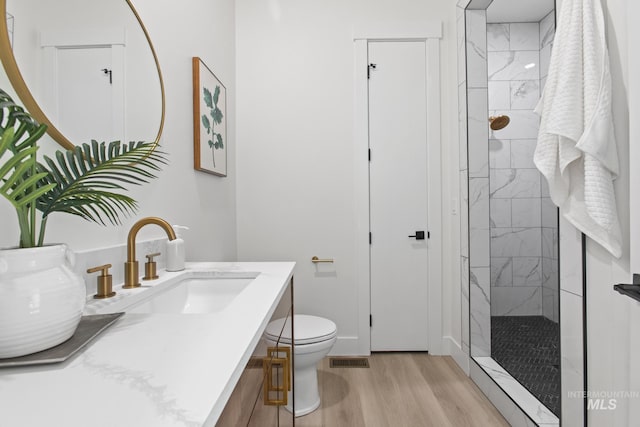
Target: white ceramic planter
<point>41,299</point>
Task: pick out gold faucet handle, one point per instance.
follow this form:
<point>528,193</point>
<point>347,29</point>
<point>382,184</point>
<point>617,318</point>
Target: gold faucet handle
<point>104,268</point>
<point>150,257</point>
<point>105,281</point>
<point>150,267</point>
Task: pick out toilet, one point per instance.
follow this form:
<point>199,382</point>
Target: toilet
<point>314,338</point>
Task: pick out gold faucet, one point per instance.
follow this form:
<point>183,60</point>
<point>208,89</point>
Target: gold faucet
<point>131,276</point>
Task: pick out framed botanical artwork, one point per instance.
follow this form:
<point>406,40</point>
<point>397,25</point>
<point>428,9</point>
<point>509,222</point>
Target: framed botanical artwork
<point>209,121</point>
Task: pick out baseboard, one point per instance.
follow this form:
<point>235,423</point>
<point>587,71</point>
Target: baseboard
<point>351,346</point>
<point>453,349</point>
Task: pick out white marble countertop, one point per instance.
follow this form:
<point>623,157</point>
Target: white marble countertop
<point>150,370</point>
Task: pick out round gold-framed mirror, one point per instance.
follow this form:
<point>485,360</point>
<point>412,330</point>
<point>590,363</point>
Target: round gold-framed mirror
<point>139,100</point>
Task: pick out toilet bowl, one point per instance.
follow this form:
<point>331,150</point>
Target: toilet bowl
<point>314,338</point>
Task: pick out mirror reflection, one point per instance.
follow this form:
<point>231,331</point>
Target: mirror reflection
<point>89,67</point>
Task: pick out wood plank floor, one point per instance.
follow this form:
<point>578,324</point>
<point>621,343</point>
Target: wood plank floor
<point>400,389</point>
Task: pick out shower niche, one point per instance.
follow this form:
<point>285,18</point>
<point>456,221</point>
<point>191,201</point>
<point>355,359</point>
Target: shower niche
<point>512,252</point>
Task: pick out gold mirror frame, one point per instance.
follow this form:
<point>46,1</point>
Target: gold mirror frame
<point>25,95</point>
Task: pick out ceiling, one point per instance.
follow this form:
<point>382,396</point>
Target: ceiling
<point>518,10</point>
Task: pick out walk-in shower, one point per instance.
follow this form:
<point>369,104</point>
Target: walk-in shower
<point>523,221</point>
<point>513,251</point>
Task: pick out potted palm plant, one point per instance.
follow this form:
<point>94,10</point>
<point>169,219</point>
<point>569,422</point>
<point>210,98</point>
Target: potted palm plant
<point>41,298</point>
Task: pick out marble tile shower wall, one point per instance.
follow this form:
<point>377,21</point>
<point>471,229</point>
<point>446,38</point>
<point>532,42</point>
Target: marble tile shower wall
<point>550,235</point>
<point>464,205</point>
<point>477,197</point>
<point>523,225</point>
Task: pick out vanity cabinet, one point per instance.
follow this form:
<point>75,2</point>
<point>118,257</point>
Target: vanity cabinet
<point>266,385</point>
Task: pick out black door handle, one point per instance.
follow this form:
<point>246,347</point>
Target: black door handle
<point>419,235</point>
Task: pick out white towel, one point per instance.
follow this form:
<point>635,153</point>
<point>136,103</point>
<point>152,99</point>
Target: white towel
<point>576,149</point>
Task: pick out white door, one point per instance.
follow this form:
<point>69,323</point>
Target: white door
<point>85,103</point>
<point>398,195</point>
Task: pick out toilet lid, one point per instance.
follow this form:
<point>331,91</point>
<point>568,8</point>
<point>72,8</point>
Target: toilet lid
<point>308,329</point>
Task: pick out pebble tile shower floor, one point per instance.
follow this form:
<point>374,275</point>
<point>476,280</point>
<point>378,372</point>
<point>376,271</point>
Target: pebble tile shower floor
<point>528,348</point>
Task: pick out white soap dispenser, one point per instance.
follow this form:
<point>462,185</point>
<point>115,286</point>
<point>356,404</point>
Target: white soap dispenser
<point>175,250</point>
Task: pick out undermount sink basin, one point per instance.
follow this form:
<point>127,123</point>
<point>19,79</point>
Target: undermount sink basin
<point>194,296</point>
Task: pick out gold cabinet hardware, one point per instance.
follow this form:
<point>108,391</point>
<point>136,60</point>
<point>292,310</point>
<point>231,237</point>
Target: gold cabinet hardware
<point>277,372</point>
<point>105,281</point>
<point>316,260</point>
<point>282,352</point>
<point>150,267</point>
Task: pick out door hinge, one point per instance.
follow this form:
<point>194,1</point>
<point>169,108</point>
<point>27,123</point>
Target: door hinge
<point>370,320</point>
<point>369,154</point>
<point>370,238</point>
<point>428,234</point>
<point>369,68</point>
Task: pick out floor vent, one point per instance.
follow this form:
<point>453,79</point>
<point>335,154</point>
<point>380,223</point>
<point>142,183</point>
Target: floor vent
<point>348,362</point>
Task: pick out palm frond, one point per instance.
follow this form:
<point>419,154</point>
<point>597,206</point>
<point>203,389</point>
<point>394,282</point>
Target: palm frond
<point>18,182</point>
<point>89,180</point>
<point>19,176</point>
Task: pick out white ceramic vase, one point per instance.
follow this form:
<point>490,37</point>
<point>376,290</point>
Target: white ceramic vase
<point>41,299</point>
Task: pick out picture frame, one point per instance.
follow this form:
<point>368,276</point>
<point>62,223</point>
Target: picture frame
<point>209,121</point>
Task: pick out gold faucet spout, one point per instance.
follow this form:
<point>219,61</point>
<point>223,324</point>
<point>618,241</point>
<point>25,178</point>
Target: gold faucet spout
<point>131,277</point>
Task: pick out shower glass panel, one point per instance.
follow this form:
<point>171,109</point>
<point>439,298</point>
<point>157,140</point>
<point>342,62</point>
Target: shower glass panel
<point>513,225</point>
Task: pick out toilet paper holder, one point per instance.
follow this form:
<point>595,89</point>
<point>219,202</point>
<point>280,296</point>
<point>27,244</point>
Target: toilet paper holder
<point>316,260</point>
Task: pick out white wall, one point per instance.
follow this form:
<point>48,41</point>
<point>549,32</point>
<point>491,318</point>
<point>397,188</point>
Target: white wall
<point>633,12</point>
<point>295,141</point>
<point>180,195</point>
<point>611,332</point>
<point>612,338</point>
